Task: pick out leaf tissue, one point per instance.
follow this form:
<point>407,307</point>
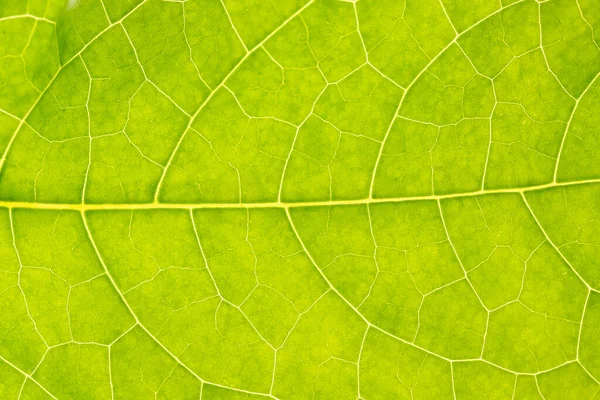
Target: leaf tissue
<point>300,199</point>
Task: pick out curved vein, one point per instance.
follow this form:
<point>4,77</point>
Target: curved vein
<point>139,323</point>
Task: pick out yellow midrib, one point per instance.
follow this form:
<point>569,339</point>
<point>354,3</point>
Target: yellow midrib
<point>275,204</point>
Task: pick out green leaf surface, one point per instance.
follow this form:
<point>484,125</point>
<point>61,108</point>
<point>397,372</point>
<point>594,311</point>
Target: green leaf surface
<point>300,199</point>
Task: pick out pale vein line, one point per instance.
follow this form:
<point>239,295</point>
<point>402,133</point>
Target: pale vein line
<point>489,149</point>
<point>514,388</point>
<point>448,17</point>
<point>10,114</point>
<point>89,126</point>
<point>587,299</point>
<point>362,346</point>
<point>105,12</point>
<point>452,380</point>
<point>537,385</point>
<point>278,204</point>
<point>24,16</point>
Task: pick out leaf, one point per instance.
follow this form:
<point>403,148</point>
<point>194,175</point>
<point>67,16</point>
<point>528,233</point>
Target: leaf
<point>227,199</point>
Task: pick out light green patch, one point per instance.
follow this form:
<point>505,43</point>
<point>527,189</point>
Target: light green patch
<point>78,27</point>
<point>574,53</point>
<point>328,164</point>
<point>478,380</point>
<point>76,371</point>
<point>498,278</point>
<point>333,38</point>
<point>401,38</point>
<point>116,9</point>
<point>570,218</point>
<point>158,36</point>
<point>33,391</point>
<point>141,369</point>
<point>21,342</point>
<point>96,312</point>
<point>464,14</point>
<point>551,288</point>
<point>479,225</point>
<point>215,48</point>
<point>137,246</point>
<point>271,313</point>
<point>590,334</point>
<point>539,342</point>
<point>255,20</point>
<point>10,381</point>
<point>228,156</point>
<point>116,77</point>
<point>341,243</point>
<point>392,369</point>
<point>363,103</point>
<point>493,44</point>
<point>406,161</point>
<point>211,392</point>
<point>437,96</point>
<point>56,241</point>
<point>527,388</point>
<point>394,300</point>
<point>62,113</point>
<point>265,88</point>
<point>582,142</point>
<point>553,384</point>
<point>242,255</point>
<point>8,125</point>
<point>51,316</point>
<point>28,62</point>
<point>321,354</point>
<point>416,159</point>
<point>452,322</point>
<point>528,123</point>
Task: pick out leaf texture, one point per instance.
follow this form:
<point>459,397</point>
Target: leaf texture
<point>300,199</point>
